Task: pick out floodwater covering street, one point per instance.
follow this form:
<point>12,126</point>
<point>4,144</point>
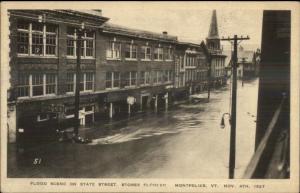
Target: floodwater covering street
<point>186,141</point>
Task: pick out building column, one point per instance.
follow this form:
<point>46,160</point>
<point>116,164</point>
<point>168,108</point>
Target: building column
<point>155,103</point>
<point>167,100</point>
<point>129,109</point>
<point>110,110</point>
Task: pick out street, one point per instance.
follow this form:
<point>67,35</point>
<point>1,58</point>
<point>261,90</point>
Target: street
<point>186,141</point>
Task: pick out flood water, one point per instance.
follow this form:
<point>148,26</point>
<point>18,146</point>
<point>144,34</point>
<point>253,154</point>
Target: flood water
<point>186,141</point>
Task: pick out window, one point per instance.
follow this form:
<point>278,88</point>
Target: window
<point>130,51</point>
<point>112,80</point>
<point>86,82</point>
<point>133,78</point>
<point>71,46</point>
<point>30,85</point>
<point>155,77</point>
<point>168,76</point>
<point>87,46</point>
<point>117,80</point>
<point>109,80</point>
<point>146,53</point>
<point>36,39</point>
<point>70,82</point>
<point>23,85</point>
<point>126,79</point>
<point>89,81</point>
<point>130,78</point>
<point>23,42</point>
<point>43,117</point>
<point>50,40</point>
<point>169,54</point>
<point>158,76</point>
<point>147,77</point>
<point>113,50</point>
<point>50,84</point>
<point>158,53</point>
<point>37,85</point>
<point>144,78</point>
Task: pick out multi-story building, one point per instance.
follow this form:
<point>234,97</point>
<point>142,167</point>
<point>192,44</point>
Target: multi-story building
<point>42,65</point>
<point>218,73</point>
<point>190,68</point>
<point>123,70</point>
<point>136,64</point>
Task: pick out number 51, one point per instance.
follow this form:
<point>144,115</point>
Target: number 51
<point>37,161</point>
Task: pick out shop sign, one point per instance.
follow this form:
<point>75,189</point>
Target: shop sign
<point>131,100</point>
<point>53,108</point>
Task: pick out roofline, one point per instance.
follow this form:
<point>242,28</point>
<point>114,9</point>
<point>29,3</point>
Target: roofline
<point>142,34</point>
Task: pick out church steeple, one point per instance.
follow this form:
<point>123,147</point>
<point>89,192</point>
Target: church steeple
<point>213,28</point>
<point>213,40</point>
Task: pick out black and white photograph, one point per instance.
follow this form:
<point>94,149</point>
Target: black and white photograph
<point>149,97</point>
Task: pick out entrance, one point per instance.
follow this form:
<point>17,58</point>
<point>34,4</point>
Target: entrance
<point>144,102</point>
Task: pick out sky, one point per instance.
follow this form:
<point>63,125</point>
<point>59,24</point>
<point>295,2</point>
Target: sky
<point>188,20</point>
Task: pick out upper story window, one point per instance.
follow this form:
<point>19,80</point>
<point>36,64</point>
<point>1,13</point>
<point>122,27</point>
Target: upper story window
<point>130,79</point>
<point>169,54</point>
<point>131,51</point>
<point>112,80</point>
<point>145,78</point>
<point>113,50</point>
<point>168,76</point>
<point>36,39</point>
<point>87,46</point>
<point>146,53</point>
<point>36,84</point>
<point>157,76</point>
<point>86,82</point>
<point>70,82</point>
<point>158,53</point>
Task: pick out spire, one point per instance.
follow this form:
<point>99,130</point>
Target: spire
<point>213,29</point>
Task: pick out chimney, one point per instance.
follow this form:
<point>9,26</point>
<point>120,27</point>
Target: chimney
<point>98,11</point>
<point>165,32</point>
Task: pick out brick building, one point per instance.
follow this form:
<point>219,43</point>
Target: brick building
<point>119,65</point>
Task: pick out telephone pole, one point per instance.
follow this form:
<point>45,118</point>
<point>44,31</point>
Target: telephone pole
<point>77,89</point>
<point>209,77</point>
<point>233,103</point>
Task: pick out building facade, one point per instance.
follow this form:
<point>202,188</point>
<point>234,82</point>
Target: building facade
<point>191,68</point>
<point>123,71</point>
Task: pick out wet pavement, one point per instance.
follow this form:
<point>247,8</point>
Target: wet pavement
<point>185,141</point>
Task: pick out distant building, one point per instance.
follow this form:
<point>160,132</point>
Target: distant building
<point>190,68</point>
<point>248,63</point>
<point>213,42</point>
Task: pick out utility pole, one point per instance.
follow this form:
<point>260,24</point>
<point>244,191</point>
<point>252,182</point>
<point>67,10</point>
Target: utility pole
<point>233,103</point>
<point>209,76</point>
<point>77,89</point>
